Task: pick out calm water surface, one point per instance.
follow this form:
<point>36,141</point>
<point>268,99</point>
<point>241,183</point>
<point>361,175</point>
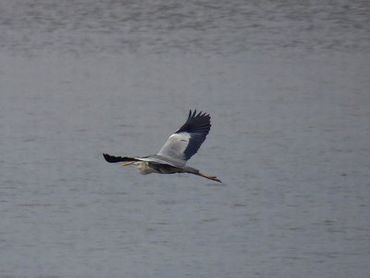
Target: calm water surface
<point>287,86</point>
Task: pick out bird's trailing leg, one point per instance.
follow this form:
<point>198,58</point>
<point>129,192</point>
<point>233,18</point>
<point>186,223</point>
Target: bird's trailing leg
<point>214,178</point>
<point>194,171</point>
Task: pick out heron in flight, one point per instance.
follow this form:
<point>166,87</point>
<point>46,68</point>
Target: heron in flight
<point>173,155</point>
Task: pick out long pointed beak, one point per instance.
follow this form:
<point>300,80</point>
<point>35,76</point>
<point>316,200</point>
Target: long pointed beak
<point>128,163</point>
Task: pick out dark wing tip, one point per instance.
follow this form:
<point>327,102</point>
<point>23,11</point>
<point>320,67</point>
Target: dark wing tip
<point>109,158</point>
<point>197,123</point>
<point>113,159</point>
<point>198,126</point>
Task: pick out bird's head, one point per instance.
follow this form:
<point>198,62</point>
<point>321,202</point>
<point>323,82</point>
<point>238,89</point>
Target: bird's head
<point>142,166</point>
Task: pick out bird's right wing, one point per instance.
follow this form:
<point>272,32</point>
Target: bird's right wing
<point>113,159</point>
<point>186,141</point>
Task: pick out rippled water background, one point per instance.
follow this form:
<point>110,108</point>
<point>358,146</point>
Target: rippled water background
<point>287,86</point>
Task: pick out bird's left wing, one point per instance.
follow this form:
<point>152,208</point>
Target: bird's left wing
<point>186,141</point>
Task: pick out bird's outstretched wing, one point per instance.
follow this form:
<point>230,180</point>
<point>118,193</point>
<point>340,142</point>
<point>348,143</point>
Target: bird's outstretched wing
<point>113,159</point>
<point>185,142</point>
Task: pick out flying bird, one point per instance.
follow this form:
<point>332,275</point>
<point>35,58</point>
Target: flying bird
<point>177,150</point>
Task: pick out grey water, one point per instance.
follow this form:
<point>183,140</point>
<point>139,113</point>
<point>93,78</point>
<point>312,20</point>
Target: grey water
<point>287,86</point>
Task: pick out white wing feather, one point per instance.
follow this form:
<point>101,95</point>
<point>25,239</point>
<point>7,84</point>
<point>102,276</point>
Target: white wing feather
<point>175,146</point>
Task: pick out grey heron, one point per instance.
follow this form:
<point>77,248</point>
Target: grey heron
<point>173,155</point>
